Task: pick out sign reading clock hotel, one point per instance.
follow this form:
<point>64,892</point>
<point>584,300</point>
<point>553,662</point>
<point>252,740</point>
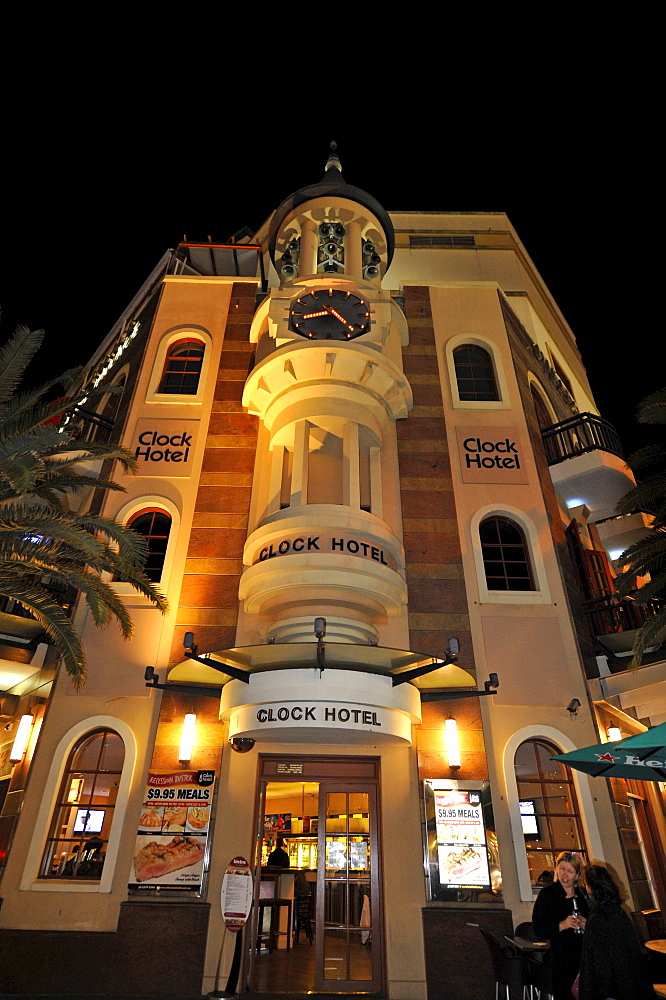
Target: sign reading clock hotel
<point>491,455</point>
<point>164,447</point>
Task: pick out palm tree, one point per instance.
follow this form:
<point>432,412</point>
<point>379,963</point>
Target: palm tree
<point>648,556</point>
<point>45,542</point>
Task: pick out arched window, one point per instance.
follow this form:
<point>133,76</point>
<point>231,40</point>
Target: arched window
<point>543,416</point>
<point>549,809</point>
<point>475,373</point>
<point>83,814</point>
<point>182,368</point>
<point>506,560</point>
<point>155,526</point>
<point>103,429</point>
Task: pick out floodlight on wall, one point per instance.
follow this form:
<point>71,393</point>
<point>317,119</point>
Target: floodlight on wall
<point>187,738</point>
<point>21,739</point>
<point>614,734</point>
<point>452,743</point>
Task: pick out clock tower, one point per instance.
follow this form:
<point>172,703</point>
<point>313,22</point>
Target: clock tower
<point>328,388</point>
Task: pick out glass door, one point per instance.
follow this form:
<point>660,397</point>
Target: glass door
<point>348,939</point>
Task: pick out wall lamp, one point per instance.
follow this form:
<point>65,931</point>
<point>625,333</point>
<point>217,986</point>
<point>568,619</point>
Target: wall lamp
<point>452,743</point>
<point>20,743</point>
<point>572,707</point>
<point>187,738</point>
<point>614,734</point>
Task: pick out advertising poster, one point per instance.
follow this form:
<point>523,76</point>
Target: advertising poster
<point>278,823</point>
<point>173,830</point>
<point>461,840</point>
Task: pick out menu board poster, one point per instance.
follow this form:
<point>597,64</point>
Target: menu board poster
<point>278,823</point>
<point>461,839</point>
<point>173,831</point>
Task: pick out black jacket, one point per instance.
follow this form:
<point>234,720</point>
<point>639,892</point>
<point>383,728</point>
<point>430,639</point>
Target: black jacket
<point>612,963</point>
<point>552,905</point>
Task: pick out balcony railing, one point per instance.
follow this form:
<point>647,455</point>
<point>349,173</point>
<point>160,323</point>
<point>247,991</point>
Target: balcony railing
<point>612,614</point>
<point>89,426</point>
<point>579,434</point>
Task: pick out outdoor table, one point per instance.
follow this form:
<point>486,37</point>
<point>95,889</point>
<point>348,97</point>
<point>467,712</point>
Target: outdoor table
<point>524,944</point>
<point>657,944</point>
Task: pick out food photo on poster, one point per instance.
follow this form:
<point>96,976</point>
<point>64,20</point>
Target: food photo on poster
<point>172,837</point>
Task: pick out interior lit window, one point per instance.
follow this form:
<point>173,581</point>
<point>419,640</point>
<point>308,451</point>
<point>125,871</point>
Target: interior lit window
<point>79,833</point>
<point>155,526</point>
<point>182,368</point>
<point>475,373</point>
<point>505,556</point>
<point>549,810</point>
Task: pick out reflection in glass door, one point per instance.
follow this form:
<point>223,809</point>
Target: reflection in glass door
<point>348,920</point>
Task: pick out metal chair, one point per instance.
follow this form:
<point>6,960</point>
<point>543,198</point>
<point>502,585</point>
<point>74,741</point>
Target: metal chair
<point>539,978</point>
<point>508,968</point>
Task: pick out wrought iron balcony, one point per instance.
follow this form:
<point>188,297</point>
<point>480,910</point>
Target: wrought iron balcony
<point>89,426</point>
<point>579,434</point>
<point>612,615</point>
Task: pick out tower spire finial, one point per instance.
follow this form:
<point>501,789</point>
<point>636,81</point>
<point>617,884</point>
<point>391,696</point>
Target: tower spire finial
<point>333,161</point>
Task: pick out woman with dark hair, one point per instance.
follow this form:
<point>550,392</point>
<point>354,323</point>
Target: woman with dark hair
<point>559,915</point>
<point>612,964</point>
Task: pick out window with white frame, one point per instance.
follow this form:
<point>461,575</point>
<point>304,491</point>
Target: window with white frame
<point>84,809</point>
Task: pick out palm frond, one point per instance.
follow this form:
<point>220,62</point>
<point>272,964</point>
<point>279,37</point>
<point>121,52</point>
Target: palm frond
<point>653,408</point>
<point>57,625</point>
<point>15,356</point>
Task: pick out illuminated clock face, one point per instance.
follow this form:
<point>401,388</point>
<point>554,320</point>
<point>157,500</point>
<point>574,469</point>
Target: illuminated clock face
<point>330,314</point>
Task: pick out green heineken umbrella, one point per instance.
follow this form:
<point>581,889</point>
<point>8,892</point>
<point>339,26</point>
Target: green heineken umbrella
<point>642,756</point>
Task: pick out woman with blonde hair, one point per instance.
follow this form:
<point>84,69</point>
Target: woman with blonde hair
<point>560,914</point>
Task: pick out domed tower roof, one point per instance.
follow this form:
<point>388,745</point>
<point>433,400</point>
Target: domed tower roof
<point>333,185</point>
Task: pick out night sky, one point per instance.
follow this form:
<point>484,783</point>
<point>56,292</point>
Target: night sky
<point>115,150</point>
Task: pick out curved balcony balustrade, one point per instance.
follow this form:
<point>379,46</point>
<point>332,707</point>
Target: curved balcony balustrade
<point>578,435</point>
<point>587,463</point>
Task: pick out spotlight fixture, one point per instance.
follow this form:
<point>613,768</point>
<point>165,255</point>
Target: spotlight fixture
<point>492,683</point>
<point>572,707</point>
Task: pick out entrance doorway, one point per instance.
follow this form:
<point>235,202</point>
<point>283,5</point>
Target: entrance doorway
<point>318,923</point>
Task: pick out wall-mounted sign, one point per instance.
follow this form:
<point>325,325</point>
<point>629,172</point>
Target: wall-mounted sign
<point>236,894</point>
<point>173,830</point>
<point>325,541</point>
<point>461,839</point>
<point>491,455</point>
<point>309,705</point>
<point>164,447</point>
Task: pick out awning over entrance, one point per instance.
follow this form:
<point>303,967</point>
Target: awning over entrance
<point>430,672</point>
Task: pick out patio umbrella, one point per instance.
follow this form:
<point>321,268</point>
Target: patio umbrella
<point>642,756</point>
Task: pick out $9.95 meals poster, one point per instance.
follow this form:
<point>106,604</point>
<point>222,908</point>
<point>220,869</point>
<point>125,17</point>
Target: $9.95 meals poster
<point>173,830</point>
<point>461,840</point>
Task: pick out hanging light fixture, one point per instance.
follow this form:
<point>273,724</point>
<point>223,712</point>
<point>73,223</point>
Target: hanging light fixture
<point>614,734</point>
<point>187,738</point>
<point>21,739</point>
<point>452,743</point>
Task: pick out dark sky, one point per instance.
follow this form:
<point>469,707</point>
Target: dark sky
<point>118,148</point>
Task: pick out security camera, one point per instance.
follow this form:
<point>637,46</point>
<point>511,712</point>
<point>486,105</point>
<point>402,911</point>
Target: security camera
<point>572,707</point>
<point>241,744</point>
